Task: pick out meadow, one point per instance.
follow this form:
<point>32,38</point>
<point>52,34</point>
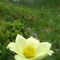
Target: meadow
<point>43,19</point>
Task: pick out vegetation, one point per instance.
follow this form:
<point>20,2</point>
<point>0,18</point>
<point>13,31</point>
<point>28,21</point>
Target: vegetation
<point>16,18</point>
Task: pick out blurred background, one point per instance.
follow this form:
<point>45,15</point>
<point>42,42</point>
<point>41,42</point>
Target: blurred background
<point>37,18</point>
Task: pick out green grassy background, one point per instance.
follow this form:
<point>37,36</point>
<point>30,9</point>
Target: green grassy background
<point>43,18</point>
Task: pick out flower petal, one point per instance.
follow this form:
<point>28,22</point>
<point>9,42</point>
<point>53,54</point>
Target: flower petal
<point>21,41</point>
<point>40,56</point>
<point>50,52</point>
<point>12,47</point>
<point>43,47</point>
<point>17,57</point>
<point>43,55</point>
<point>43,50</point>
<point>15,48</point>
<point>32,42</point>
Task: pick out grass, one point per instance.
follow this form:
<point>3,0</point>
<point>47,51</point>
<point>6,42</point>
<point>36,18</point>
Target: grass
<point>46,25</point>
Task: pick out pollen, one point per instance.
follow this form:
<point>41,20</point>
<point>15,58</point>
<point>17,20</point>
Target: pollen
<point>29,51</point>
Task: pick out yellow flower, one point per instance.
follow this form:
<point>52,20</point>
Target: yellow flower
<point>29,49</point>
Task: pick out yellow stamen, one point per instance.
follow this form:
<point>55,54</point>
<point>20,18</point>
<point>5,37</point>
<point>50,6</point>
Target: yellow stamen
<point>29,51</point>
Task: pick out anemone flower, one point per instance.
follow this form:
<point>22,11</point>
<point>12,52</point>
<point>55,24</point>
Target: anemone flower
<point>29,49</point>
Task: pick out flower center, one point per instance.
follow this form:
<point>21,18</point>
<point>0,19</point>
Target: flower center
<point>29,51</point>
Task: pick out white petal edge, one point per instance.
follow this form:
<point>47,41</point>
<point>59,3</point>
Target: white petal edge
<point>43,50</point>
<point>43,55</point>
<point>32,42</point>
<point>43,47</point>
<point>21,41</point>
<point>12,46</point>
<point>17,57</point>
<point>15,48</point>
<point>50,52</point>
<point>40,56</point>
